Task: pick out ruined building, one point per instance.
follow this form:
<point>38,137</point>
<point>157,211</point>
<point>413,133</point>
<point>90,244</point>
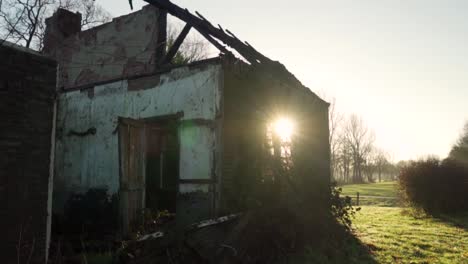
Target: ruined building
<point>175,137</point>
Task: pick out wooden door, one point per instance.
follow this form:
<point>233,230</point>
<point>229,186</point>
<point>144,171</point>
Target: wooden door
<point>132,172</point>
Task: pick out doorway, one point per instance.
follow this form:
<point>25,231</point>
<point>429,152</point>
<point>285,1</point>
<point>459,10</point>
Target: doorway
<point>162,167</point>
<point>149,168</point>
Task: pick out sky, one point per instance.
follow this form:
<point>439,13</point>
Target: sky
<point>400,65</point>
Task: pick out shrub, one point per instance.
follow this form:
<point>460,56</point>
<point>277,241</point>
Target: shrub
<point>89,222</point>
<point>435,186</point>
<point>341,207</point>
<point>93,213</point>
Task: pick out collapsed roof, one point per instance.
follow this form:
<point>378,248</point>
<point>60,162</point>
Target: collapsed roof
<point>211,33</point>
<point>220,37</point>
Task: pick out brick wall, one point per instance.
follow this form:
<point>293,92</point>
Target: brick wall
<point>27,85</point>
<point>252,99</point>
<point>127,46</point>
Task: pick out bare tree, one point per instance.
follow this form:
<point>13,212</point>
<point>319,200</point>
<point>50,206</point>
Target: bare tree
<point>23,21</point>
<point>370,165</point>
<point>377,162</point>
<point>359,139</point>
<point>335,119</point>
<point>344,157</point>
<point>351,148</point>
<point>381,163</point>
<point>92,14</point>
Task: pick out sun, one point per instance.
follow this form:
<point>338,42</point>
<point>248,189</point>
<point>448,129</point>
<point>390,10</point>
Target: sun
<point>284,128</point>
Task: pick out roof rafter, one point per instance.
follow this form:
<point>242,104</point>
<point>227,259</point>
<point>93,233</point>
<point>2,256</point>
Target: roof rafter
<point>176,45</point>
<point>202,25</point>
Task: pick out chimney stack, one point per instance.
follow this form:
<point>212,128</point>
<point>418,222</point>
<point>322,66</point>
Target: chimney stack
<point>59,26</point>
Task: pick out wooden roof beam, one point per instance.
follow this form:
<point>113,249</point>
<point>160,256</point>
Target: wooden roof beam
<point>176,45</point>
<point>207,29</point>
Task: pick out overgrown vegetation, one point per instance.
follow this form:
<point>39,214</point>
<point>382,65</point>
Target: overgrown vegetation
<point>88,227</point>
<point>435,186</point>
<point>287,210</point>
<point>150,221</point>
<point>338,243</point>
<point>283,231</point>
<point>341,207</point>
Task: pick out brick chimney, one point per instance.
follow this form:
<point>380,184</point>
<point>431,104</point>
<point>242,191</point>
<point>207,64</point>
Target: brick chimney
<point>60,25</point>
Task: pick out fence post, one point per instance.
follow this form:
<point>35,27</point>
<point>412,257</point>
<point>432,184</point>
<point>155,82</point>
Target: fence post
<point>357,200</point>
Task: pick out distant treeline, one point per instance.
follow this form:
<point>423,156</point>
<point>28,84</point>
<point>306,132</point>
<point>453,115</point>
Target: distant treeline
<point>354,156</point>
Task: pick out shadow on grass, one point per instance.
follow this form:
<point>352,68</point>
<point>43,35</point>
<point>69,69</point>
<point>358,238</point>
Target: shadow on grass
<point>340,246</point>
<point>459,220</point>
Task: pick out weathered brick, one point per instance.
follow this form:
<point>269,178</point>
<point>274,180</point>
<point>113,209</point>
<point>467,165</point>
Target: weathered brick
<point>27,86</point>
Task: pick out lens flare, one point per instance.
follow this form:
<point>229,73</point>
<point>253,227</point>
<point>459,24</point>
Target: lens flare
<point>284,129</point>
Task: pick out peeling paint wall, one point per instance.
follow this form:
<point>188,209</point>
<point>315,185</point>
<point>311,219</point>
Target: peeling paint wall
<point>84,162</point>
<point>127,46</point>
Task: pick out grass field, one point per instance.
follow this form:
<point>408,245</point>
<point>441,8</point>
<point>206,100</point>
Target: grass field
<point>384,189</point>
<point>376,194</point>
<point>395,235</point>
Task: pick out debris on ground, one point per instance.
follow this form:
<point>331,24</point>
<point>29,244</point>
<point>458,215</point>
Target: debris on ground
<point>198,243</point>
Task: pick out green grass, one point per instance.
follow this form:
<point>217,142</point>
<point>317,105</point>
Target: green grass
<point>383,193</point>
<point>397,237</point>
<point>386,189</point>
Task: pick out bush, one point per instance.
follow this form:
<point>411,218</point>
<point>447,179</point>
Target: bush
<point>89,222</point>
<point>93,213</point>
<point>435,186</point>
<point>341,207</point>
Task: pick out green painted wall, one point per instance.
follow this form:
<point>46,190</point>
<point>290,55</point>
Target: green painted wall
<point>91,161</point>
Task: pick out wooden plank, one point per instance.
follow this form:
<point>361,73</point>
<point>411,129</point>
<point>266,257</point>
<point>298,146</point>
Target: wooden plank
<point>176,45</point>
<point>151,120</point>
<point>162,36</point>
<point>130,122</point>
<point>123,150</point>
<point>132,165</point>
